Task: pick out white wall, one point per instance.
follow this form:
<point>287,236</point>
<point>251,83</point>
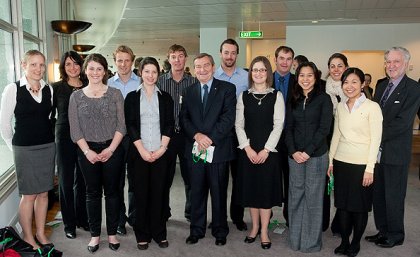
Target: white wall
<point>9,209</point>
<point>318,42</point>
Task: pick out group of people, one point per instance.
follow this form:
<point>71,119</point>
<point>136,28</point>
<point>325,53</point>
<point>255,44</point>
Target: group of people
<point>280,135</point>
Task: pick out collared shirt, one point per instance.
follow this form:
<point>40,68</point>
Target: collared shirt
<point>278,121</point>
<point>239,78</point>
<point>396,82</point>
<point>283,88</point>
<point>362,98</point>
<point>8,104</point>
<point>176,90</point>
<point>125,88</point>
<point>149,119</point>
<point>208,83</point>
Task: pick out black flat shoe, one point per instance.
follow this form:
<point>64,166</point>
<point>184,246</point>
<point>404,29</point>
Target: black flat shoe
<point>241,226</point>
<point>163,244</point>
<point>249,240</point>
<point>341,249</point>
<point>353,250</point>
<point>374,238</point>
<point>387,243</point>
<point>191,240</point>
<point>143,246</point>
<point>220,241</point>
<point>114,247</point>
<point>71,235</point>
<point>265,245</point>
<point>93,249</point>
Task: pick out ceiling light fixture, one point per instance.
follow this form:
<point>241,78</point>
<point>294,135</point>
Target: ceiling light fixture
<point>69,26</point>
<point>83,48</point>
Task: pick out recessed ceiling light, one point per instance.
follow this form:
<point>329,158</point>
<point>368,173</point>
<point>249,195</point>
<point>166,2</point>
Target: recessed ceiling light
<point>314,21</point>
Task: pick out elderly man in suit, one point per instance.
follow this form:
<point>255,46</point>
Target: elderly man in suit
<point>399,98</point>
<point>207,117</point>
<point>283,81</point>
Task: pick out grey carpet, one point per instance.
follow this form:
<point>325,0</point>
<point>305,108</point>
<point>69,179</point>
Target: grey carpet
<point>178,230</point>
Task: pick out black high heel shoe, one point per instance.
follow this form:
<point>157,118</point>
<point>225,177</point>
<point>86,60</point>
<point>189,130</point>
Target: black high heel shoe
<point>250,240</point>
<point>51,245</point>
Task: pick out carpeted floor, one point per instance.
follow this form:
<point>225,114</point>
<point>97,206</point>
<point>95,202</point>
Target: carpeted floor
<point>178,230</point>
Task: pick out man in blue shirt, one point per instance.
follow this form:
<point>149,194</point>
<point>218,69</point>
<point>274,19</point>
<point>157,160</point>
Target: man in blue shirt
<point>283,82</point>
<point>229,50</point>
<point>126,81</point>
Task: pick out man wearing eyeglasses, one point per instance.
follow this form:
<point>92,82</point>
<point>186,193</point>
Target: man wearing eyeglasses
<point>283,82</point>
<point>207,118</point>
<point>229,50</point>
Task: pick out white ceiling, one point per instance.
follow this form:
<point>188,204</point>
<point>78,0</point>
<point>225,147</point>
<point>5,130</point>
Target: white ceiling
<point>150,27</point>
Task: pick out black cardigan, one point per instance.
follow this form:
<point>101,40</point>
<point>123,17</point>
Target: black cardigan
<point>132,114</point>
<point>308,124</point>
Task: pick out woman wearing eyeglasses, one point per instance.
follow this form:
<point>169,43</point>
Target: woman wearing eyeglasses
<point>259,122</point>
<point>308,122</point>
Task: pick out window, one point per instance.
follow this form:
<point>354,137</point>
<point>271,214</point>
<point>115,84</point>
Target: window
<point>7,75</point>
<point>29,17</point>
<point>10,42</point>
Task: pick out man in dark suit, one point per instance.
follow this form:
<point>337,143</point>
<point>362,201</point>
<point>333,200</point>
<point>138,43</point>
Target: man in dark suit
<point>283,81</point>
<point>207,117</point>
<point>399,98</point>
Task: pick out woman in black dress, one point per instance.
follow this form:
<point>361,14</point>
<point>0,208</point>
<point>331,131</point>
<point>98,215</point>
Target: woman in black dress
<point>259,122</point>
<point>72,185</point>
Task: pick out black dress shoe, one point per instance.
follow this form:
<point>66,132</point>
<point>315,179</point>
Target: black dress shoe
<point>341,249</point>
<point>249,240</point>
<point>265,245</point>
<point>143,246</point>
<point>220,241</point>
<point>163,244</point>
<point>71,235</point>
<point>353,250</point>
<point>121,230</point>
<point>241,226</point>
<point>114,247</point>
<point>387,243</point>
<point>93,249</point>
<point>192,240</point>
<point>84,227</point>
<point>374,238</point>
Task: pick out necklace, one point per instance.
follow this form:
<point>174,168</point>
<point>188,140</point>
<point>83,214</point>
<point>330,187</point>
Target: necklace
<point>259,98</point>
<point>35,91</point>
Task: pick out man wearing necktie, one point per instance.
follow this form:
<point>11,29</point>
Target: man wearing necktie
<point>283,82</point>
<point>207,117</point>
<point>399,98</point>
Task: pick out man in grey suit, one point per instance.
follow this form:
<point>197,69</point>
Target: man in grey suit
<point>399,98</point>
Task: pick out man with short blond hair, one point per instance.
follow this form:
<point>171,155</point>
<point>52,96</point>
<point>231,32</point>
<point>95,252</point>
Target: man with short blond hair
<point>126,81</point>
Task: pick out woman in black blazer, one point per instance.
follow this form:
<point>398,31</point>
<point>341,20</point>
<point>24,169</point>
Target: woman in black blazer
<point>150,124</point>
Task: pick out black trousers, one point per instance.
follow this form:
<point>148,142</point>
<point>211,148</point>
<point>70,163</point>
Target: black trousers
<point>176,148</point>
<point>72,186</point>
<point>389,190</point>
<point>131,216</point>
<point>284,165</point>
<point>205,177</point>
<point>102,176</point>
<point>150,180</point>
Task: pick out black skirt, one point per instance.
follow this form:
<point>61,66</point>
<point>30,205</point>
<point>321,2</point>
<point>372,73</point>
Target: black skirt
<point>349,193</point>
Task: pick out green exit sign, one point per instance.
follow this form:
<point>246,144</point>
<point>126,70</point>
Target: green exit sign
<point>250,34</point>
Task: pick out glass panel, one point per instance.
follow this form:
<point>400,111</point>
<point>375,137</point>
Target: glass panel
<point>29,45</point>
<point>30,16</point>
<point>5,11</point>
<point>7,75</point>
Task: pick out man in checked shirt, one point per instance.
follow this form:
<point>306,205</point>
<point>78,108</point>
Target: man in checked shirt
<point>175,82</point>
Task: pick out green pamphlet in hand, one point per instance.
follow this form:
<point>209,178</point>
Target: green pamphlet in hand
<point>330,184</point>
